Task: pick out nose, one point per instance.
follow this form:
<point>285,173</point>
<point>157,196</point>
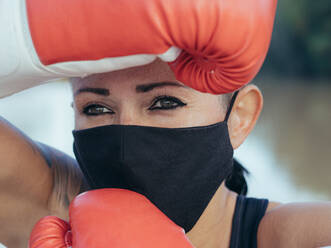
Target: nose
<point>129,116</point>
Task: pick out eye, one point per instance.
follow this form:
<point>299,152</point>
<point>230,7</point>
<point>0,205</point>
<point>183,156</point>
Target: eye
<point>96,109</point>
<point>166,103</point>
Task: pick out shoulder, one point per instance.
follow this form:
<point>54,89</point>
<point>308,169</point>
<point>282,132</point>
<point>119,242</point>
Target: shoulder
<point>296,225</point>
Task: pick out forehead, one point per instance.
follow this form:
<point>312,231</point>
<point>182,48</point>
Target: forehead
<point>158,71</point>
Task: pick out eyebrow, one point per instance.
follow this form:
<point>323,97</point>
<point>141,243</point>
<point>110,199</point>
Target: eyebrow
<point>98,91</point>
<point>143,88</point>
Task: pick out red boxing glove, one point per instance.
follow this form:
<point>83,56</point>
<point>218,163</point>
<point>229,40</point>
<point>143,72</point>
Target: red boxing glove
<point>214,46</point>
<point>50,232</point>
<point>112,218</point>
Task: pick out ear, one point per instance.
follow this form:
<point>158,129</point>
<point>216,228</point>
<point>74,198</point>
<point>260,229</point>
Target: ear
<point>245,112</point>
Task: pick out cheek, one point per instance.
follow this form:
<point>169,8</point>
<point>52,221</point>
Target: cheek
<point>207,111</point>
<point>208,115</point>
<point>80,123</point>
<point>83,122</point>
<point>169,119</point>
<point>189,116</point>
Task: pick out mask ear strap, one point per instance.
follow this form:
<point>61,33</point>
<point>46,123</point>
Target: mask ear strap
<point>233,99</point>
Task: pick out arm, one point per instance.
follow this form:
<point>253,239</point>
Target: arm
<point>25,184</point>
<point>304,225</point>
<point>35,180</point>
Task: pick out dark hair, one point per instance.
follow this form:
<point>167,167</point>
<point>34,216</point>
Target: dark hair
<point>236,181</point>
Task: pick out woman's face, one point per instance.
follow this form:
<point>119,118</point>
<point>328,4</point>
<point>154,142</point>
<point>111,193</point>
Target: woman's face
<point>146,96</point>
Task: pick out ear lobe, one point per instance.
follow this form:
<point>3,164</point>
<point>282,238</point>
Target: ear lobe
<point>245,113</point>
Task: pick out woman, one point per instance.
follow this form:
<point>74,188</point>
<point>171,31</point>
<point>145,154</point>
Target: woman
<point>48,179</point>
<point>223,43</point>
<point>150,96</point>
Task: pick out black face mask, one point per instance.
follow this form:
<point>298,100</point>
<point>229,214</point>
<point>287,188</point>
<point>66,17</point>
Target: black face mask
<point>178,169</point>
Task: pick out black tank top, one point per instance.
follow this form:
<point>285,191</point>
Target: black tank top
<point>247,217</point>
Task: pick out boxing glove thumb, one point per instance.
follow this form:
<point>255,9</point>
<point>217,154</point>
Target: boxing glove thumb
<point>119,218</point>
<point>114,218</point>
<point>51,232</point>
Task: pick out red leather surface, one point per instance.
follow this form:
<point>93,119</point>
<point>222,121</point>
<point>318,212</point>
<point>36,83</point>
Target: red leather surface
<point>113,218</point>
<point>50,232</point>
<point>224,42</point>
<point>120,218</point>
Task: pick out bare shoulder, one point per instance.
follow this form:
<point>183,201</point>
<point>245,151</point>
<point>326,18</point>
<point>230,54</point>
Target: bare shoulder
<point>296,225</point>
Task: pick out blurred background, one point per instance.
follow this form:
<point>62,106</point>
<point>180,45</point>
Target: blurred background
<point>288,154</point>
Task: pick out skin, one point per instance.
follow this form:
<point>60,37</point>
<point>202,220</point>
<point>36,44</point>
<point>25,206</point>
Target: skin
<point>119,101</point>
<point>25,187</point>
<point>126,106</point>
<point>30,197</point>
